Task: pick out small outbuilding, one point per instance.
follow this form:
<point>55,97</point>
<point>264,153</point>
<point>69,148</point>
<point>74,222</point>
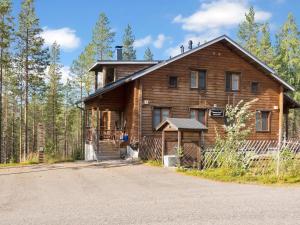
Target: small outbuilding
<point>185,134</point>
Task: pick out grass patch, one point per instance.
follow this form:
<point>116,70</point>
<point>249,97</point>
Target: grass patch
<point>153,163</point>
<point>227,175</point>
<point>18,164</point>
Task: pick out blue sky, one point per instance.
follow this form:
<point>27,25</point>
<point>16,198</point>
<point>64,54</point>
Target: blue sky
<point>163,25</point>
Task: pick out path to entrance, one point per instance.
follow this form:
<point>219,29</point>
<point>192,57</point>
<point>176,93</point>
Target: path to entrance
<point>119,193</point>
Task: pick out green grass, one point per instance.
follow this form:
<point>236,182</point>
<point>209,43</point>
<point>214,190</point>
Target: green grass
<point>18,164</point>
<point>153,163</point>
<point>225,175</point>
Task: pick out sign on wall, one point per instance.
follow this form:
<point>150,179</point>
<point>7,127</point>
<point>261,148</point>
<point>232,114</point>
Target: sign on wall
<point>216,112</point>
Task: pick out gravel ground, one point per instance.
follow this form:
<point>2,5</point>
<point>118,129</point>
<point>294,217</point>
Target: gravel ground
<point>122,193</point>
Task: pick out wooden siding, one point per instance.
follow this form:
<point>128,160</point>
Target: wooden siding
<point>216,60</point>
<point>124,70</point>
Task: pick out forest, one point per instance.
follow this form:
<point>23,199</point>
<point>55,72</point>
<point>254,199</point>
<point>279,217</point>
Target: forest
<point>33,95</point>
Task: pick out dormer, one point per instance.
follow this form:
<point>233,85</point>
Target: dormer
<point>108,71</point>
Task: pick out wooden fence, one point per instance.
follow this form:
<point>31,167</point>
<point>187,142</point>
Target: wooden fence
<point>262,154</point>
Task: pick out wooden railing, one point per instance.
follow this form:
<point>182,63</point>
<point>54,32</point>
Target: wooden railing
<point>103,134</point>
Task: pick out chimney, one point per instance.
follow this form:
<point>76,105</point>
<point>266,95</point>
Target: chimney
<point>182,49</point>
<point>190,44</point>
<point>119,52</point>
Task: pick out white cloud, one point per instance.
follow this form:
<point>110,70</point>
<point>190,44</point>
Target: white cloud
<point>218,14</point>
<point>65,74</point>
<point>142,42</point>
<point>65,37</point>
<point>196,38</point>
<point>159,42</point>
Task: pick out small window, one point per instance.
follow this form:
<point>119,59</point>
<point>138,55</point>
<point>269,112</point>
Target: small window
<point>173,81</point>
<point>232,81</point>
<point>254,87</point>
<point>198,79</point>
<point>198,114</point>
<point>159,114</point>
<point>263,121</point>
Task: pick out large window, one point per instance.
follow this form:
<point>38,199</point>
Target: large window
<point>159,114</point>
<point>198,114</point>
<point>263,120</point>
<point>198,79</point>
<point>232,81</point>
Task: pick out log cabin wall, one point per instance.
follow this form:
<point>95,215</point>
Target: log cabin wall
<point>216,60</point>
<point>125,70</point>
<point>132,109</point>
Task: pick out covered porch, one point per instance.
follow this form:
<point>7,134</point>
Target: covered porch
<point>289,106</point>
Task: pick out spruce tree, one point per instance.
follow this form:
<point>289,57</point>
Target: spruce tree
<point>148,54</point>
<point>266,51</point>
<point>248,32</point>
<point>6,29</point>
<point>32,55</point>
<point>54,96</point>
<point>128,39</point>
<point>288,62</point>
<point>102,38</point>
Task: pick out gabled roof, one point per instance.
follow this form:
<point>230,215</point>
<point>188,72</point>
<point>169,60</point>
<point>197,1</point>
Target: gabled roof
<point>221,38</point>
<point>156,65</point>
<point>182,124</point>
<point>122,62</point>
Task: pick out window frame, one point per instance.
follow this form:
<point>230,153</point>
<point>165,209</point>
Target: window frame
<point>230,73</point>
<point>197,114</point>
<point>198,72</point>
<point>268,120</point>
<point>169,79</point>
<point>257,91</point>
<point>161,108</point>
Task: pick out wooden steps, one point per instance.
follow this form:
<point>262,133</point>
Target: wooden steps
<point>108,150</point>
<point>41,156</point>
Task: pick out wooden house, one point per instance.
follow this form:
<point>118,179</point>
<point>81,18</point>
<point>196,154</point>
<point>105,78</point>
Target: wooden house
<point>134,97</point>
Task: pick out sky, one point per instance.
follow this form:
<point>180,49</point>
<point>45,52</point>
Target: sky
<point>162,25</point>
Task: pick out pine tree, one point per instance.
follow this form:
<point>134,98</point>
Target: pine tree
<point>266,51</point>
<point>54,96</point>
<point>31,53</point>
<point>102,38</point>
<point>6,29</point>
<point>148,54</point>
<point>248,32</point>
<point>128,39</point>
<point>288,61</point>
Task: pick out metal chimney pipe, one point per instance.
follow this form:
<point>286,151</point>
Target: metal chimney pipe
<point>182,49</point>
<point>119,52</point>
<point>190,44</point>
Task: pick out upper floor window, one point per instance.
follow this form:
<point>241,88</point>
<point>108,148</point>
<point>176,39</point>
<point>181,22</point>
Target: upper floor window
<point>262,120</point>
<point>232,81</point>
<point>254,87</point>
<point>198,79</point>
<point>110,75</point>
<point>198,114</point>
<point>173,81</point>
<point>159,115</point>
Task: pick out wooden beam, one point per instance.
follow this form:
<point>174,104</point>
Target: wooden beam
<point>163,146</point>
<point>98,129</point>
<point>179,138</point>
<point>280,132</point>
<point>96,80</point>
<point>287,124</point>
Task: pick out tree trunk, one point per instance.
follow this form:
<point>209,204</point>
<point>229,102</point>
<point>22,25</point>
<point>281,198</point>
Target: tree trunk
<point>26,95</point>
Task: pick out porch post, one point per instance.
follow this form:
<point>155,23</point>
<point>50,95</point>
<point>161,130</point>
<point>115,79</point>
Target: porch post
<point>97,129</point>
<point>280,115</point>
<point>179,138</point>
<point>287,124</point>
<point>96,80</point>
<point>162,146</point>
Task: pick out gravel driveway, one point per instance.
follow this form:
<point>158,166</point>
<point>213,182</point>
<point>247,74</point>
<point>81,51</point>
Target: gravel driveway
<point>119,193</point>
